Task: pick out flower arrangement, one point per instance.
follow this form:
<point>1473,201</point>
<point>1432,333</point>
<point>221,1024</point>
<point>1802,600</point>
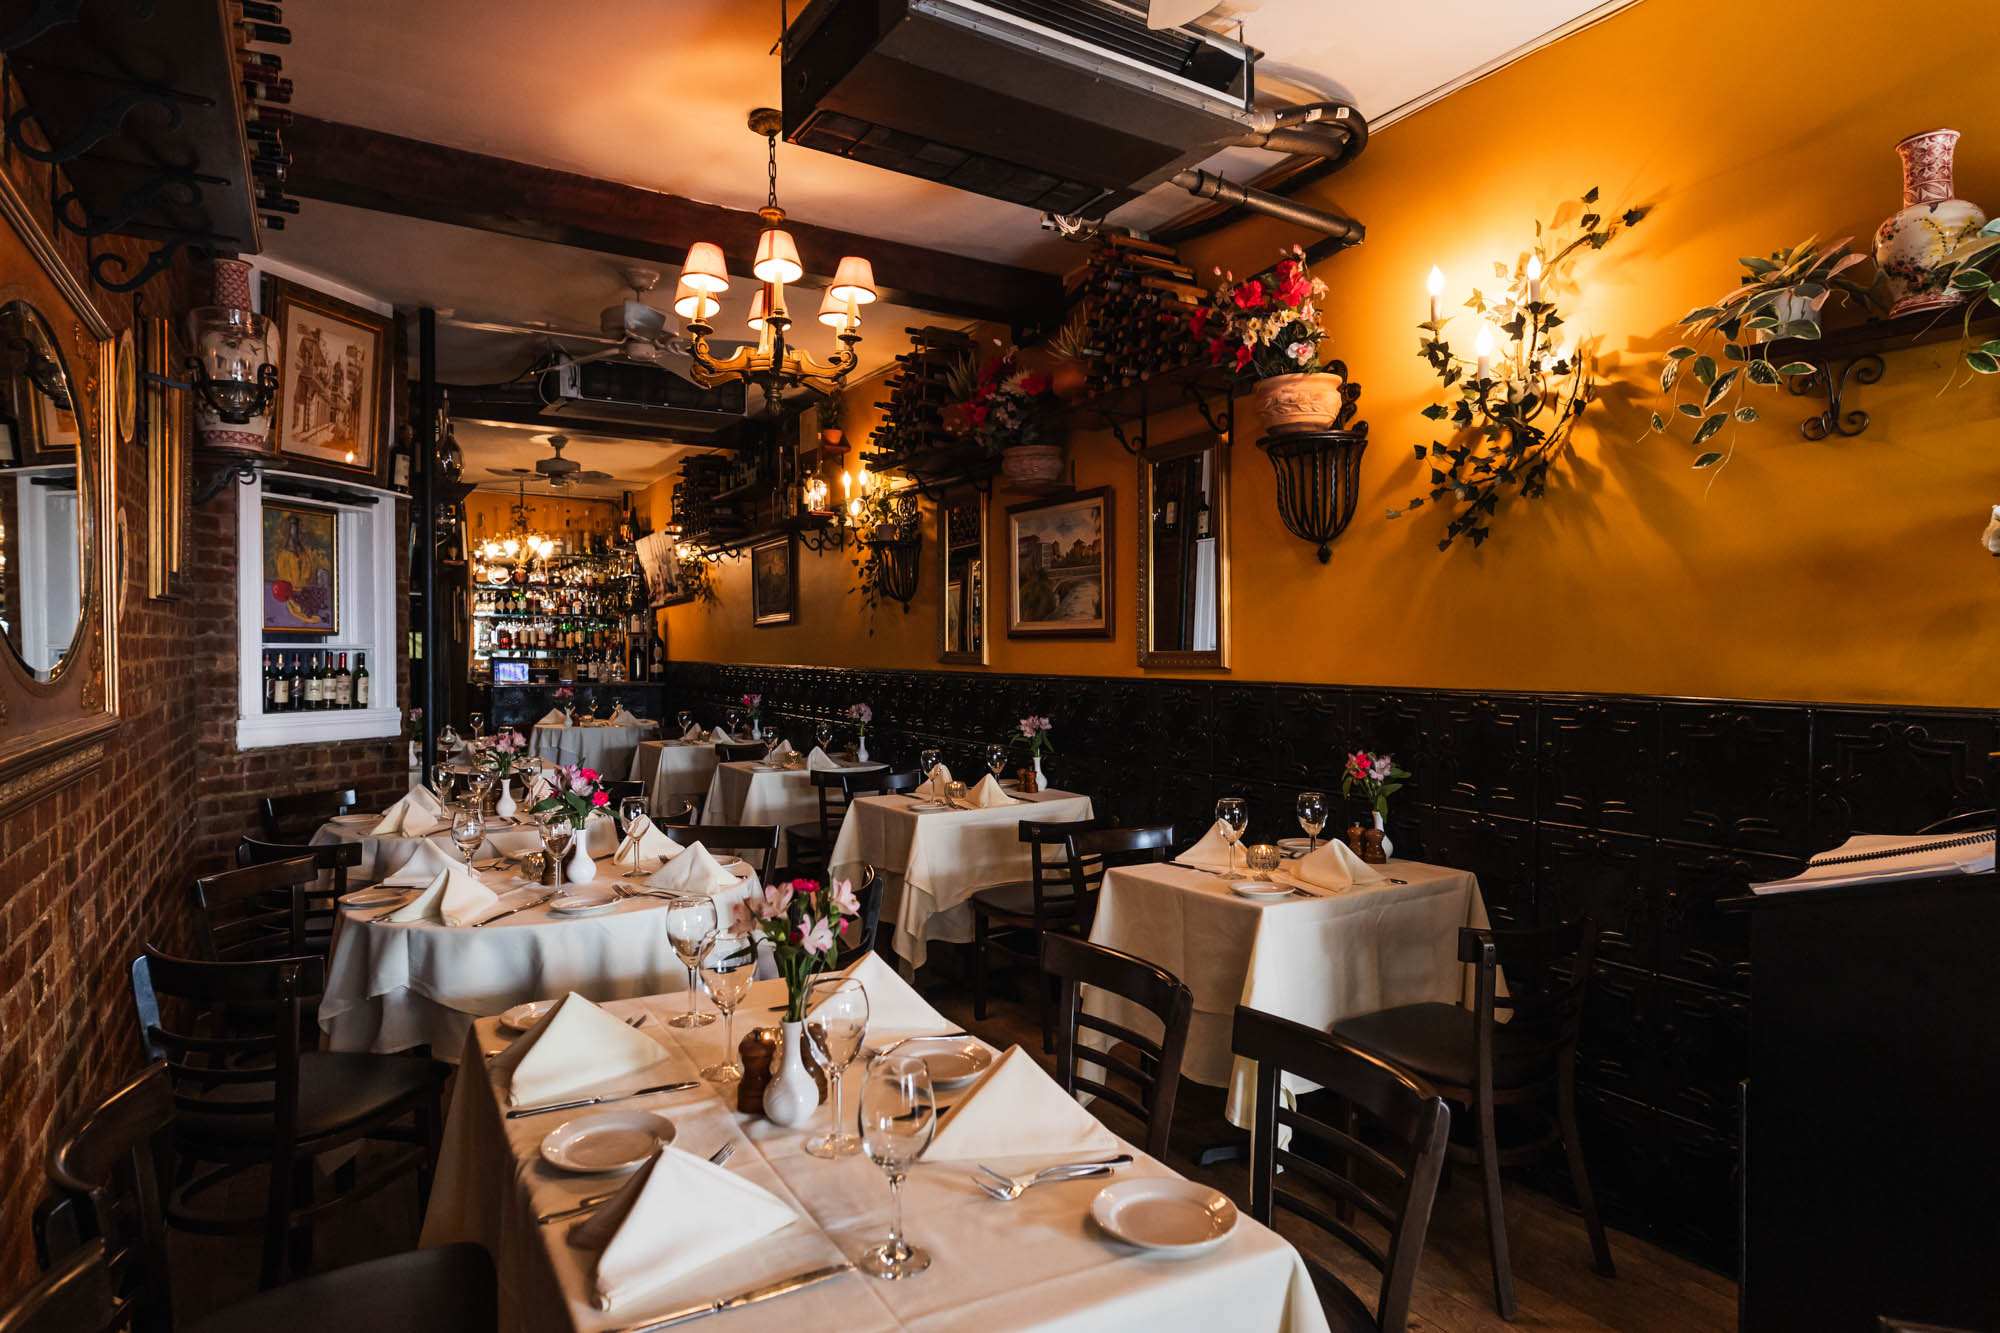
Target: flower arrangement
<point>577,790</point>
<point>804,922</point>
<point>1000,405</point>
<point>504,751</point>
<point>564,696</point>
<point>1034,733</point>
<point>1376,774</point>
<point>753,704</point>
<point>861,715</point>
<point>416,724</point>
<point>1974,268</point>
<point>1267,324</point>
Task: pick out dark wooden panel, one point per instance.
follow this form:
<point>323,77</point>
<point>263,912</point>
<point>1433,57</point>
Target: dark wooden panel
<point>1882,772</point>
<point>1484,753</point>
<point>1698,942</point>
<point>1616,1051</point>
<point>1599,763</point>
<point>1703,1051</point>
<point>1500,851</point>
<point>1608,876</point>
<point>1736,777</point>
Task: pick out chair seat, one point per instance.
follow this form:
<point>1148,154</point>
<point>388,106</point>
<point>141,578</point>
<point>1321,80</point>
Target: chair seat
<point>337,1091</point>
<point>1018,900</point>
<point>807,832</point>
<point>1439,1042</point>
<point>449,1289</point>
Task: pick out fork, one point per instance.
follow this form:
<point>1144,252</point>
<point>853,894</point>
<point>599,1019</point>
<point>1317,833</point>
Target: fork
<point>596,1201</point>
<point>1012,1187</point>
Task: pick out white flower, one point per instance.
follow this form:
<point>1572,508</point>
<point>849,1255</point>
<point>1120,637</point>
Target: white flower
<point>1300,352</point>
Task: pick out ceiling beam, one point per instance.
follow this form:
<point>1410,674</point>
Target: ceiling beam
<point>346,164</point>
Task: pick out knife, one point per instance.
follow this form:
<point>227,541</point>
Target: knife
<point>520,1111</point>
<point>781,1287</point>
<point>524,907</point>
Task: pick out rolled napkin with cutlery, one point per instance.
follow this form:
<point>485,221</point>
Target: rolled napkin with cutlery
<point>1016,1110</point>
<point>988,794</point>
<point>417,815</point>
<point>576,1047</point>
<point>555,717</point>
<point>452,894</point>
<point>1335,866</point>
<point>695,870</point>
<point>678,1213</point>
<point>935,787</point>
<point>1214,852</point>
<point>645,848</point>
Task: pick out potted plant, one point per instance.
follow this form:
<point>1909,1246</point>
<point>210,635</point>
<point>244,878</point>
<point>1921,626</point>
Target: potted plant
<point>860,715</point>
<point>1781,296</point>
<point>1009,412</point>
<point>1267,326</point>
<point>829,420</point>
<point>1062,356</point>
<point>1975,270</point>
<point>1033,732</point>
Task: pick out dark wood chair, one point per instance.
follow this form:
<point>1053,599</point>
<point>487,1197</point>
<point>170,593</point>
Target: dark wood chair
<point>755,843</point>
<point>74,1297</point>
<point>1076,963</point>
<point>1391,1177</point>
<point>109,1160</point>
<point>728,752</point>
<point>335,860</point>
<point>868,888</point>
<point>618,790</point>
<point>812,842</point>
<point>690,810</point>
<point>1528,1062</point>
<point>249,1096</point>
<point>294,818</point>
<point>255,912</point>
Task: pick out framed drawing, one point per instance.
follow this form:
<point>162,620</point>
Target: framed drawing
<point>163,430</point>
<point>774,573</point>
<point>333,397</point>
<point>1059,567</point>
<point>301,571</point>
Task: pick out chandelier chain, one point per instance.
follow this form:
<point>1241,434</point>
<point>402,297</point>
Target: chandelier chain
<point>772,200</point>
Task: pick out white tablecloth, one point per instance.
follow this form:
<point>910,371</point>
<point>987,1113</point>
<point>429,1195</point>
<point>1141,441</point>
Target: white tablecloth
<point>933,860</point>
<point>745,791</point>
<point>1312,960</point>
<point>609,750</point>
<point>384,856</point>
<point>1038,1263</point>
<point>673,771</point>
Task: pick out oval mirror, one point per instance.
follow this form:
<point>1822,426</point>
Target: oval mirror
<point>45,522</point>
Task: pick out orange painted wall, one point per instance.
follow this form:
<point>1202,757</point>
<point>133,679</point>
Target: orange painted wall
<point>1845,570</point>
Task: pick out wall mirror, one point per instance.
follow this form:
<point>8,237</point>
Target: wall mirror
<point>962,578</point>
<point>1184,554</point>
<point>47,516</point>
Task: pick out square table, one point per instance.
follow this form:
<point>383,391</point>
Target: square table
<point>673,771</point>
<point>933,861</point>
<point>1038,1263</point>
<point>1313,960</point>
<point>599,745</point>
<point>750,791</point>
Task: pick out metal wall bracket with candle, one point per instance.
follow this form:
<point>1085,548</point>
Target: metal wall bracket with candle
<point>1319,472</point>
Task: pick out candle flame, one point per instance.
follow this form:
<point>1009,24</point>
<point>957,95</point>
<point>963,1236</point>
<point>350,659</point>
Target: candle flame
<point>1435,283</point>
<point>1483,345</point>
<point>1534,267</point>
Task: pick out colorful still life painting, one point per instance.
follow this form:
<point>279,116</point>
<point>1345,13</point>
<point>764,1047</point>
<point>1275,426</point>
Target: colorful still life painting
<point>301,570</point>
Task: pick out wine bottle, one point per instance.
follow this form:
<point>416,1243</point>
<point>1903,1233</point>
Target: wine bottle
<point>361,680</point>
<point>310,675</point>
<point>343,685</point>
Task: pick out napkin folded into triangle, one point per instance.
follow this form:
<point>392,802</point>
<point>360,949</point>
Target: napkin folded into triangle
<point>693,733</point>
<point>576,1046</point>
<point>621,716</point>
<point>895,1009</point>
<point>452,894</point>
<point>721,737</point>
<point>695,870</point>
<point>1335,866</point>
<point>1016,1110</point>
<point>553,718</point>
<point>538,788</point>
<point>937,784</point>
<point>417,815</point>
<point>782,752</point>
<point>820,762</point>
<point>676,1214</point>
<point>645,848</point>
<point>1214,851</point>
<point>988,794</point>
<point>600,833</point>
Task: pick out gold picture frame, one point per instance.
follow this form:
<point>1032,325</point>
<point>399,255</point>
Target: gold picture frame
<point>163,430</point>
<point>300,580</point>
<point>332,413</point>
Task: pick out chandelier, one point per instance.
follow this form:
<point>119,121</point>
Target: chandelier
<point>771,364</point>
<point>519,548</point>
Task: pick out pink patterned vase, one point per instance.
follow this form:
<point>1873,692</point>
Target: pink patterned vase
<point>1911,247</point>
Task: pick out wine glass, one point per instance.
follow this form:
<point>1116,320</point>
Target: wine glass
<point>823,734</point>
<point>996,760</point>
<point>727,970</point>
<point>927,762</point>
<point>691,927</point>
<point>443,781</point>
<point>477,721</point>
<point>448,740</point>
<point>685,719</point>
<point>1232,813</point>
<point>480,782</point>
<point>772,740</point>
<point>468,830</point>
<point>836,1024</point>
<point>1312,816</point>
<point>630,810</point>
<point>898,1117</point>
<point>557,830</point>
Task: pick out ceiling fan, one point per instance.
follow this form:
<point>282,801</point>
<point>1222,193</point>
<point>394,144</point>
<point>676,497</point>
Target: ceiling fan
<point>556,470</point>
<point>632,330</point>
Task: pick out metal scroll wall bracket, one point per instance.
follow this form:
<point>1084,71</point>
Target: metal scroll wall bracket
<point>1830,379</point>
<point>213,483</point>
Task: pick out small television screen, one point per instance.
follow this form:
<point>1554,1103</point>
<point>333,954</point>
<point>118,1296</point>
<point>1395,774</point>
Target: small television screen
<point>510,673</point>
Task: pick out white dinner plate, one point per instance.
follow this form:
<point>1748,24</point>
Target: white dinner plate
<point>1258,891</point>
<point>1173,1218</point>
<point>583,902</point>
<point>378,895</point>
<point>952,1062</point>
<point>524,1016</point>
<point>1296,846</point>
<point>606,1141</point>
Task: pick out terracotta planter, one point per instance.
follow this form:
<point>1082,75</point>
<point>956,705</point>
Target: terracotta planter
<point>1911,247</point>
<point>1288,404</point>
<point>1069,381</point>
<point>1032,464</point>
<point>831,435</point>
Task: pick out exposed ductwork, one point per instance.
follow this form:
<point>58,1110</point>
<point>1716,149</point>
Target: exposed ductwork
<point>1208,186</point>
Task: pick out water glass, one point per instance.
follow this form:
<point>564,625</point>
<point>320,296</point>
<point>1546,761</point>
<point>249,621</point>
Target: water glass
<point>685,719</point>
<point>927,760</point>
<point>448,741</point>
<point>823,734</point>
<point>996,760</point>
<point>727,970</point>
<point>557,830</point>
<point>691,927</point>
<point>1312,816</point>
<point>481,782</point>
<point>476,721</point>
<point>836,1025</point>
<point>468,830</point>
<point>444,781</point>
<point>630,810</point>
<point>898,1117</point>
<point>1232,813</point>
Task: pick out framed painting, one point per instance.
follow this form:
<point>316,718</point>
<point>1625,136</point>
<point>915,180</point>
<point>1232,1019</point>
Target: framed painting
<point>301,571</point>
<point>774,587</point>
<point>333,394</point>
<point>163,430</point>
<point>1059,567</point>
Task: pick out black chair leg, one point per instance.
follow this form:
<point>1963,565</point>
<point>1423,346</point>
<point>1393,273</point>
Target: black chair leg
<point>978,964</point>
<point>1496,1212</point>
<point>1045,1002</point>
<point>1600,1249</point>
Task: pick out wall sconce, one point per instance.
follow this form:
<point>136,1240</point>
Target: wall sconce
<point>896,565</point>
<point>1319,473</point>
<point>234,370</point>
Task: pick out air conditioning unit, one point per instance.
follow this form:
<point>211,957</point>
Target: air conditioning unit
<point>1068,106</point>
<point>635,393</point>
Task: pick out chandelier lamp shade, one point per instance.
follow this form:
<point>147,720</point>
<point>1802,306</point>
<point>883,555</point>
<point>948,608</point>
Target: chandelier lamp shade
<point>771,363</point>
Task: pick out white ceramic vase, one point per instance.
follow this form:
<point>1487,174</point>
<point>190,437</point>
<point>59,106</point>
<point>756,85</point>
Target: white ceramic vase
<point>581,869</point>
<point>756,730</point>
<point>1284,404</point>
<point>1041,782</point>
<point>504,806</point>
<point>791,1097</point>
<point>860,749</point>
<point>1911,247</point>
<point>1388,848</point>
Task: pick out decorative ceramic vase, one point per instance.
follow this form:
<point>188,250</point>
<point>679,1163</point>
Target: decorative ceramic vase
<point>233,344</point>
<point>1790,310</point>
<point>504,806</point>
<point>861,749</point>
<point>756,730</point>
<point>1041,780</point>
<point>1032,464</point>
<point>581,869</point>
<point>1911,247</point>
<point>1380,842</point>
<point>791,1097</point>
<point>1288,404</point>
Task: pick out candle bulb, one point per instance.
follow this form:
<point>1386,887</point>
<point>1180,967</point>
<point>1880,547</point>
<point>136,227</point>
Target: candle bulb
<point>1534,279</point>
<point>1483,345</point>
<point>1436,285</point>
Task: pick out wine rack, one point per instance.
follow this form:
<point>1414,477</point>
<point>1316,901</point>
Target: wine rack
<point>1139,302</point>
<point>912,424</point>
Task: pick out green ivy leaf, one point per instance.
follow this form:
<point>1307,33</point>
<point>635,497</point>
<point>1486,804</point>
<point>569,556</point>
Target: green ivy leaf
<point>1687,409</point>
<point>1681,353</point>
<point>1709,427</point>
<point>1746,414</point>
<point>1986,363</point>
<point>1735,352</point>
<point>1762,372</point>
<point>1659,422</point>
<point>1797,368</point>
<point>1708,460</point>
<point>1590,196</point>
<point>1420,451</point>
<point>1991,348</point>
<point>1634,216</point>
<point>1970,280</point>
<point>1669,374</point>
<point>1757,265</point>
<point>1721,388</point>
<point>1437,412</point>
<point>1704,370</point>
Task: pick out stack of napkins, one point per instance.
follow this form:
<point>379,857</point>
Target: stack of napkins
<point>417,815</point>
<point>677,1213</point>
<point>988,794</point>
<point>1214,852</point>
<point>1016,1110</point>
<point>695,870</point>
<point>555,717</point>
<point>645,848</point>
<point>936,785</point>
<point>1333,865</point>
<point>575,1048</point>
<point>452,893</point>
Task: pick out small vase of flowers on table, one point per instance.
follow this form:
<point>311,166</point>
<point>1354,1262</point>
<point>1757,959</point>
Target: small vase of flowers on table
<point>753,705</point>
<point>861,715</point>
<point>579,793</point>
<point>503,752</point>
<point>1034,733</point>
<point>565,698</point>
<point>1379,778</point>
<point>804,922</point>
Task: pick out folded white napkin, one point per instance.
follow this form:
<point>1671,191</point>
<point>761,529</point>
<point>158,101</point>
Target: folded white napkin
<point>894,1007</point>
<point>553,718</point>
<point>1016,1110</point>
<point>781,754</point>
<point>417,815</point>
<point>621,716</point>
<point>988,794</point>
<point>452,894</point>
<point>677,1213</point>
<point>1214,851</point>
<point>820,762</point>
<point>935,786</point>
<point>576,1046</point>
<point>721,737</point>
<point>600,833</point>
<point>537,788</point>
<point>694,871</point>
<point>693,733</point>
<point>645,848</point>
<point>1335,866</point>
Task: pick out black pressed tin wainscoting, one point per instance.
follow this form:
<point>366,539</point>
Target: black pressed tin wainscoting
<point>1642,811</point>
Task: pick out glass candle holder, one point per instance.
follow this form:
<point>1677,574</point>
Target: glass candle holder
<point>1263,859</point>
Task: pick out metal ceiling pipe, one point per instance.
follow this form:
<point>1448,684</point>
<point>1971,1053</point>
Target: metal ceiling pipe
<point>1342,229</point>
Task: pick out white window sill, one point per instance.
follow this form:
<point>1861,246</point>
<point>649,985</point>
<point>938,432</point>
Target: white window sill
<point>344,724</point>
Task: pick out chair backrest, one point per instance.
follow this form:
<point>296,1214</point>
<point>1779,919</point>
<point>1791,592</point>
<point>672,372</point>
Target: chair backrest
<point>73,1298</point>
<point>730,751</point>
<point>109,1162</point>
<point>258,911</point>
<point>1076,963</point>
<point>1393,1184</point>
<point>837,788</point>
<point>334,860</point>
<point>890,782</point>
<point>1057,876</point>
<point>755,843</point>
<point>285,816</point>
<point>867,882</point>
<point>1548,978</point>
<point>689,807</point>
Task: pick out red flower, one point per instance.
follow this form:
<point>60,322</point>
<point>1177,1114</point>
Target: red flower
<point>1250,295</point>
<point>587,774</point>
<point>1033,385</point>
<point>1215,350</point>
<point>1294,291</point>
<point>978,413</point>
<point>1196,324</point>
<point>600,798</point>
<point>1242,357</point>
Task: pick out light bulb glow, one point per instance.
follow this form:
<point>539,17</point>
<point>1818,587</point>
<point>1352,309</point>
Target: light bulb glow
<point>1435,283</point>
<point>1483,344</point>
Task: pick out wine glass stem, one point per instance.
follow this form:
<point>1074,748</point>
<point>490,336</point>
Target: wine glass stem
<point>896,1215</point>
<point>728,1034</point>
<point>692,983</point>
<point>839,1117</point>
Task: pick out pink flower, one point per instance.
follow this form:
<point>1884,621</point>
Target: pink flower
<point>600,798</point>
<point>587,774</point>
<point>777,897</point>
<point>741,919</point>
<point>841,897</point>
<point>752,700</point>
<point>815,937</point>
